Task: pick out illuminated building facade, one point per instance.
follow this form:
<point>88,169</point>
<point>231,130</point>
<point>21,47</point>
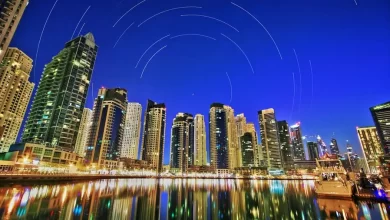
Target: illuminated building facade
<point>247,150</point>
<point>182,140</point>
<point>285,146</point>
<point>106,132</point>
<point>200,150</point>
<point>132,131</point>
<point>85,124</point>
<point>15,94</point>
<point>11,11</point>
<point>381,117</point>
<point>321,143</point>
<point>153,138</point>
<point>312,149</point>
<point>58,105</point>
<point>371,146</point>
<point>334,147</point>
<point>270,138</point>
<point>297,142</point>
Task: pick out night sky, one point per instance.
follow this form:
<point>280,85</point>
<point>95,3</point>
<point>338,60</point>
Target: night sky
<point>348,45</point>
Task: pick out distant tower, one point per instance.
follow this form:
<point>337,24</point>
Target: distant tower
<point>11,12</point>
<point>200,141</point>
<point>106,132</point>
<point>15,94</point>
<point>247,149</point>
<point>371,146</point>
<point>132,131</point>
<point>313,150</point>
<point>82,136</point>
<point>153,138</point>
<point>381,116</point>
<point>322,144</point>
<point>270,138</point>
<point>334,147</point>
<point>182,134</point>
<point>285,146</point>
<point>297,142</point>
<point>349,148</point>
<point>58,105</point>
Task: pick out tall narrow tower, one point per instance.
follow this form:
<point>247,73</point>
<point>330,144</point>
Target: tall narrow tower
<point>153,138</point>
<point>58,105</point>
<point>11,12</point>
<point>381,116</point>
<point>132,132</point>
<point>15,94</point>
<point>85,124</point>
<point>200,141</point>
<point>297,142</point>
<point>285,145</point>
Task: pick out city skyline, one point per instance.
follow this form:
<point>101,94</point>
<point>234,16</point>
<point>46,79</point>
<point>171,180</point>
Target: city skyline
<point>315,121</point>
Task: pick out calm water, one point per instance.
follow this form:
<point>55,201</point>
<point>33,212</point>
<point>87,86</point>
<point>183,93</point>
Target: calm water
<point>180,199</point>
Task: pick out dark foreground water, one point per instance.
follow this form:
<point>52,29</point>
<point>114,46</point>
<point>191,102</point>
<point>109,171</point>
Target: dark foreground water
<point>180,199</point>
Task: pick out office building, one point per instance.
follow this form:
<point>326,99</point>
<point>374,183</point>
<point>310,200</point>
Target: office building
<point>132,131</point>
<point>85,124</point>
<point>371,146</point>
<point>285,146</point>
<point>247,150</point>
<point>349,147</point>
<point>106,132</point>
<point>241,124</point>
<point>257,153</point>
<point>11,11</point>
<point>297,142</point>
<point>223,138</point>
<point>15,94</point>
<point>322,145</point>
<point>313,150</point>
<point>200,141</point>
<point>182,140</point>
<point>153,138</point>
<point>381,116</point>
<point>334,147</point>
<point>270,138</point>
<point>58,105</point>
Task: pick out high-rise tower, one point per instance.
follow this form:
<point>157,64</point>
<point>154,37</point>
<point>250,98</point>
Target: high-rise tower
<point>381,117</point>
<point>297,142</point>
<point>247,149</point>
<point>132,131</point>
<point>11,12</point>
<point>312,149</point>
<point>285,146</point>
<point>371,146</point>
<point>334,147</point>
<point>200,141</point>
<point>182,140</point>
<point>153,138</point>
<point>269,138</point>
<point>85,124</point>
<point>106,132</point>
<point>15,94</point>
<point>58,105</point>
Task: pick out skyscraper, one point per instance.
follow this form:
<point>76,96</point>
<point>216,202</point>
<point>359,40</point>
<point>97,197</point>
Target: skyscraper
<point>257,153</point>
<point>285,146</point>
<point>15,94</point>
<point>200,141</point>
<point>312,148</point>
<point>322,145</point>
<point>132,131</point>
<point>106,132</point>
<point>297,142</point>
<point>269,138</point>
<point>58,105</point>
<point>381,117</point>
<point>247,150</point>
<point>241,124</point>
<point>153,138</point>
<point>334,147</point>
<point>85,124</point>
<point>371,146</point>
<point>181,137</point>
<point>11,12</point>
<point>223,138</point>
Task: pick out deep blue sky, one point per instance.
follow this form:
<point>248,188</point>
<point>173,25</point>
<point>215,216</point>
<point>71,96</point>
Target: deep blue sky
<point>348,45</point>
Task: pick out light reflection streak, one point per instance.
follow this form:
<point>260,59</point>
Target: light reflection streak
<point>128,12</point>
<point>200,35</point>
<point>150,47</point>
<point>146,65</point>
<point>162,12</point>
<point>78,23</point>
<point>120,37</point>
<point>300,80</point>
<point>216,19</point>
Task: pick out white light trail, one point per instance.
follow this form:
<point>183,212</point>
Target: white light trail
<point>162,12</point>
<point>312,85</point>
<point>249,62</point>
<point>120,37</point>
<point>294,93</point>
<point>150,47</point>
<point>151,59</point>
<point>81,29</point>
<point>231,88</point>
<point>300,80</point>
<point>200,35</point>
<point>269,34</point>
<point>355,2</point>
<point>216,19</point>
<point>78,23</point>
<point>128,12</point>
<point>40,38</point>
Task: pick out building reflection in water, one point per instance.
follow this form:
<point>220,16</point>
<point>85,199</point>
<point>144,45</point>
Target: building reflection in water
<point>187,199</point>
